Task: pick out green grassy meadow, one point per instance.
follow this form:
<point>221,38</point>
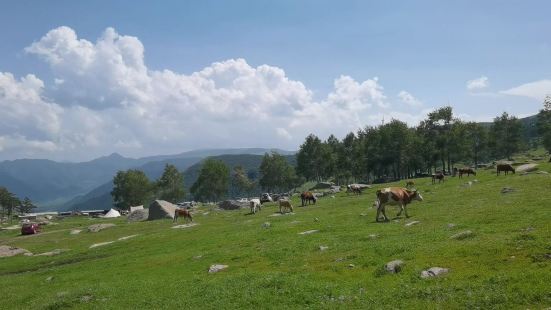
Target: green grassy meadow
<point>505,265</point>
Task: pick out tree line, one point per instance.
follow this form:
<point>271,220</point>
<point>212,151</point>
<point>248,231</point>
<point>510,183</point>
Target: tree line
<point>10,204</point>
<point>395,151</point>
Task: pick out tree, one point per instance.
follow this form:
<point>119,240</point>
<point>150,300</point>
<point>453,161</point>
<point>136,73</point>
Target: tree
<point>131,188</point>
<point>213,181</point>
<point>544,124</point>
<point>8,201</point>
<point>477,140</point>
<point>309,160</point>
<point>27,206</point>
<point>506,133</point>
<point>240,180</point>
<point>170,186</point>
<point>276,173</point>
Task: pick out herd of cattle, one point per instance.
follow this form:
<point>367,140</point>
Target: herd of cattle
<point>397,196</point>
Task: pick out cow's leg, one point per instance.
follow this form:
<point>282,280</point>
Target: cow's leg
<point>378,211</point>
<point>384,214</point>
<point>406,210</point>
<point>175,220</point>
<point>401,209</point>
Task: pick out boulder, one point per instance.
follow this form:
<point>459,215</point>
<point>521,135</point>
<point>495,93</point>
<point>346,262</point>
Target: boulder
<point>8,251</point>
<point>160,209</point>
<point>433,272</point>
<point>98,227</point>
<point>217,267</point>
<point>394,266</point>
<point>138,215</point>
<point>232,205</point>
<point>527,168</point>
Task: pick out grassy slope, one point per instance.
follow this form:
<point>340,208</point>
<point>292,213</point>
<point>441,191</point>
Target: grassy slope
<point>277,268</point>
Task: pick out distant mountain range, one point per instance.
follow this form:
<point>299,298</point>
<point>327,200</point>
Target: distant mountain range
<point>55,185</point>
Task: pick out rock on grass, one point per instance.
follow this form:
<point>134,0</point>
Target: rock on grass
<point>217,267</point>
<point>308,232</point>
<point>463,235</point>
<point>394,266</point>
<point>98,227</point>
<point>434,272</point>
<point>412,223</point>
<point>8,251</point>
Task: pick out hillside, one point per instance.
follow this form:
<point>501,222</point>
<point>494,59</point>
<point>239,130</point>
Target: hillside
<point>100,197</point>
<point>57,185</point>
<point>504,264</point>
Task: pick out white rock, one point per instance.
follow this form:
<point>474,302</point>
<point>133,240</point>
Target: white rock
<point>323,247</point>
<point>99,227</point>
<point>185,225</point>
<point>266,225</point>
<point>308,232</point>
<point>127,237</point>
<point>462,235</point>
<point>412,223</point>
<point>75,231</point>
<point>394,266</point>
<point>217,267</point>
<point>434,272</point>
<point>100,244</point>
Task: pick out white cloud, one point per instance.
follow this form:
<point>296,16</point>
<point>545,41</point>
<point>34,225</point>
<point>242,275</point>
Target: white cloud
<point>478,84</point>
<point>105,99</point>
<point>408,99</point>
<point>536,90</point>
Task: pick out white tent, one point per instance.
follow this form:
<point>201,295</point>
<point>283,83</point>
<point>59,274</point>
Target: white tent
<point>112,213</point>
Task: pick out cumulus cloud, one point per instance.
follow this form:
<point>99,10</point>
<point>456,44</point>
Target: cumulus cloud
<point>535,90</point>
<point>105,99</point>
<point>478,84</point>
<point>408,99</point>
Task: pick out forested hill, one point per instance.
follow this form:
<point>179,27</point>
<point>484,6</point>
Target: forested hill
<point>101,198</point>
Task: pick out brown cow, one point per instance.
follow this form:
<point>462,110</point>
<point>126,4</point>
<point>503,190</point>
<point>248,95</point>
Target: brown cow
<point>285,205</point>
<point>307,198</point>
<point>438,176</point>
<point>504,167</point>
<point>395,196</point>
<point>355,189</point>
<point>467,171</point>
<point>184,213</point>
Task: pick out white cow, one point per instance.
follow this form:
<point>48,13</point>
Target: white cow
<point>255,204</point>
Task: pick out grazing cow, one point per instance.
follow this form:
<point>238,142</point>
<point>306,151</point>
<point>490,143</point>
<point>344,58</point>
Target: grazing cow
<point>255,204</point>
<point>266,198</point>
<point>467,171</point>
<point>353,188</point>
<point>504,167</point>
<point>285,205</point>
<point>410,183</point>
<point>438,176</point>
<point>186,214</point>
<point>395,196</point>
<point>307,198</point>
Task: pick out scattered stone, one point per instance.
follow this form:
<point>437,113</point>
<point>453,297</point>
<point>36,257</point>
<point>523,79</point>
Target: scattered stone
<point>52,253</point>
<point>527,168</point>
<point>373,236</point>
<point>127,237</point>
<point>332,196</point>
<point>308,232</point>
<point>295,222</point>
<point>506,190</point>
<point>8,251</point>
<point>394,266</point>
<point>528,229</point>
<point>185,225</point>
<point>433,272</point>
<point>316,219</point>
<point>475,181</point>
<point>217,267</point>
<point>266,225</point>
<point>340,259</point>
<point>351,266</point>
<point>451,225</point>
<point>206,213</point>
<point>98,227</point>
<point>198,257</point>
<point>463,235</point>
<point>86,298</point>
<point>75,231</point>
<point>412,223</point>
<point>363,214</point>
<point>100,244</point>
<point>323,247</point>
<point>50,278</point>
<point>543,172</point>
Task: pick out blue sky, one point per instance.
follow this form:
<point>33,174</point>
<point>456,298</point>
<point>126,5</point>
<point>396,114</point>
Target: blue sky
<point>428,49</point>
